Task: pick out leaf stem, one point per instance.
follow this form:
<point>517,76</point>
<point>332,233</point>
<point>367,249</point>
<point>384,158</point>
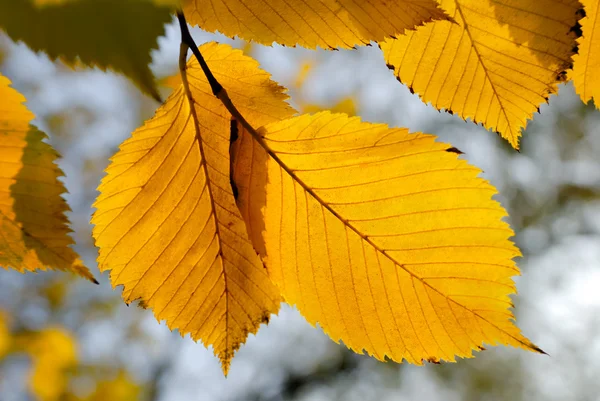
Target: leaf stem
<point>217,88</point>
<point>186,38</point>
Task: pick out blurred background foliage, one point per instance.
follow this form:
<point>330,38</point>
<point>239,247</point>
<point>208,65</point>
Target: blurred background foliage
<point>62,338</point>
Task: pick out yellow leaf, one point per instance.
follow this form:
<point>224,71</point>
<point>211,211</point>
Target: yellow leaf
<point>586,63</point>
<point>34,232</point>
<point>304,72</point>
<point>386,239</point>
<point>311,23</point>
<point>171,82</point>
<point>495,65</point>
<point>4,334</point>
<point>346,105</point>
<point>53,352</point>
<point>166,222</point>
<point>111,33</point>
<point>121,388</point>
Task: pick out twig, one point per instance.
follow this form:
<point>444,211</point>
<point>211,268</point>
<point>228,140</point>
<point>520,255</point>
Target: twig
<point>217,88</point>
<point>187,39</point>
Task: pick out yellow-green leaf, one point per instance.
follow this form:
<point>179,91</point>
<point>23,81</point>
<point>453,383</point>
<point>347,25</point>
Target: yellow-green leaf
<point>386,239</point>
<point>496,64</point>
<point>34,232</point>
<point>311,23</point>
<point>166,222</point>
<point>117,34</point>
<point>586,63</point>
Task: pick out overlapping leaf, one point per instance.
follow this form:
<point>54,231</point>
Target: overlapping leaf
<point>586,63</point>
<point>34,232</point>
<point>386,239</point>
<point>311,23</point>
<point>166,222</point>
<point>99,33</point>
<point>495,65</point>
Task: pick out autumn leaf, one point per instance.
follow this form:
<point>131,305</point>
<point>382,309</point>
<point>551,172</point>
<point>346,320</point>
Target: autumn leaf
<point>496,65</point>
<point>5,339</point>
<point>346,105</point>
<point>386,239</point>
<point>97,33</point>
<point>311,23</point>
<point>166,222</point>
<point>586,63</point>
<point>34,232</point>
<point>53,352</point>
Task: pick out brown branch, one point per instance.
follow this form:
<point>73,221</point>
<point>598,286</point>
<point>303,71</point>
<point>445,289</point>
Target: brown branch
<point>187,39</point>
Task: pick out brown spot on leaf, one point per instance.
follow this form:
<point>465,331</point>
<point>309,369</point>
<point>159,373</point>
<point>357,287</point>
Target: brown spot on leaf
<point>455,150</point>
<point>265,318</point>
<point>142,304</point>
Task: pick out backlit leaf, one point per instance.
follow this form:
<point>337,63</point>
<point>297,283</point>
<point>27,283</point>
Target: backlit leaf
<point>311,23</point>
<point>346,105</point>
<point>586,63</point>
<point>34,232</point>
<point>495,65</point>
<point>117,34</point>
<point>166,222</point>
<point>386,239</point>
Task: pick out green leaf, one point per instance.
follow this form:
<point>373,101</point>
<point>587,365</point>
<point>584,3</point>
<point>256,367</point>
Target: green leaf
<point>116,34</point>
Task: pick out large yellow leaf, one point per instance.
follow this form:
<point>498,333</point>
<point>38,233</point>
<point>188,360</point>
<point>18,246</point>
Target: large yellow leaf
<point>311,23</point>
<point>586,63</point>
<point>111,33</point>
<point>495,65</point>
<point>166,222</point>
<point>34,232</point>
<point>386,239</point>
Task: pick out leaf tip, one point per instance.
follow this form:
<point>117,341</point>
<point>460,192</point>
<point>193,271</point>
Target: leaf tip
<point>537,349</point>
<point>455,150</point>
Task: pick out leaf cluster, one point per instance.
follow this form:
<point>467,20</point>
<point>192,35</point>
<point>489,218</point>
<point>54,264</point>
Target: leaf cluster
<point>228,201</point>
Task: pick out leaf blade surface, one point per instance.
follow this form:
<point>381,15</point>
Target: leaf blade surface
<point>586,63</point>
<point>384,238</point>
<point>311,23</point>
<point>34,231</point>
<point>97,33</point>
<point>166,223</point>
<point>496,65</point>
